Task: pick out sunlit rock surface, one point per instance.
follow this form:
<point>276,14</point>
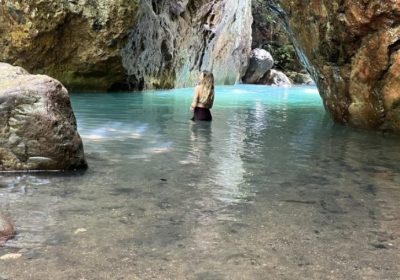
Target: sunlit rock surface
<point>275,78</point>
<point>174,40</point>
<point>37,124</point>
<point>77,42</point>
<point>352,50</point>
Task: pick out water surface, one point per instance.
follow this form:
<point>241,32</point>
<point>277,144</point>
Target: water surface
<point>270,189</point>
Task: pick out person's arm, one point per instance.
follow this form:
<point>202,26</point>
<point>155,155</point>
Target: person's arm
<point>195,98</point>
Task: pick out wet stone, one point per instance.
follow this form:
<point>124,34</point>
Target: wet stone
<point>3,185</point>
<point>125,191</point>
<point>58,239</point>
<point>379,246</point>
<point>31,254</point>
<point>164,205</point>
<point>370,189</point>
<point>209,276</point>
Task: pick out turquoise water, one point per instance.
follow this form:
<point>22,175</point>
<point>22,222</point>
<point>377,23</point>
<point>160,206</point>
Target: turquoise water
<point>270,189</point>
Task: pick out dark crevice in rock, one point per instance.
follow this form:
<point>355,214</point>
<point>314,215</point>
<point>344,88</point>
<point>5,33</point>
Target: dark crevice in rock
<point>166,54</point>
<point>202,53</point>
<point>122,86</point>
<point>135,83</point>
<point>394,47</point>
<point>155,5</point>
<point>341,7</point>
<point>97,25</point>
<point>208,17</point>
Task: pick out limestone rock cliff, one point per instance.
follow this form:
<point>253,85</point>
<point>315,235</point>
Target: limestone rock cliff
<point>82,42</point>
<point>37,124</point>
<point>173,40</point>
<point>352,50</point>
<point>75,41</point>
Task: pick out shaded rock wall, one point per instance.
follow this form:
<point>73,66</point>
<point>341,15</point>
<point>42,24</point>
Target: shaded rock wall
<point>76,41</point>
<point>269,34</point>
<point>352,50</point>
<point>37,124</point>
<point>174,40</point>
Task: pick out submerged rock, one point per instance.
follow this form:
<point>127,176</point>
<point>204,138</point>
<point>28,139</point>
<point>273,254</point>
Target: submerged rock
<point>352,50</point>
<point>11,256</point>
<point>261,61</point>
<point>37,124</point>
<point>6,229</point>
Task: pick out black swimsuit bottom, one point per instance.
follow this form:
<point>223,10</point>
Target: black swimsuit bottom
<point>201,114</point>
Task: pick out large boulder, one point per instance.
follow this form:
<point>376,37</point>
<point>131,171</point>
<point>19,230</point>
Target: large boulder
<point>275,78</point>
<point>352,50</point>
<point>261,61</point>
<point>37,124</point>
<point>77,42</point>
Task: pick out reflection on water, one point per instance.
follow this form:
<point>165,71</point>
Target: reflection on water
<point>270,187</point>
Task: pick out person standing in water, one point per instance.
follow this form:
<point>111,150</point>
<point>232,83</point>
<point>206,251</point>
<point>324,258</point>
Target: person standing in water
<point>203,98</point>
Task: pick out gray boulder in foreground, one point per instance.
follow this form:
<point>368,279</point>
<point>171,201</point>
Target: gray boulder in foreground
<point>37,125</point>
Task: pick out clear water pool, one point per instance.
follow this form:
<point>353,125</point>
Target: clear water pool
<point>270,189</point>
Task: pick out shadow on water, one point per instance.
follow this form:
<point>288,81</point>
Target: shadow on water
<point>270,187</point>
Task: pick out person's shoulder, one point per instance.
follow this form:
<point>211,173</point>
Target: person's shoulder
<point>197,88</point>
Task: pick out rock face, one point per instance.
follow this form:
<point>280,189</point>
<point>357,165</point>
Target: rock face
<point>82,42</point>
<point>6,229</point>
<point>352,50</point>
<point>174,40</point>
<point>37,124</point>
<point>300,78</point>
<point>77,41</point>
<point>275,78</point>
<point>269,34</point>
<point>261,61</point>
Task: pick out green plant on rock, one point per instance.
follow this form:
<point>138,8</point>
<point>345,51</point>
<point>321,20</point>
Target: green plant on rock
<point>284,57</point>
